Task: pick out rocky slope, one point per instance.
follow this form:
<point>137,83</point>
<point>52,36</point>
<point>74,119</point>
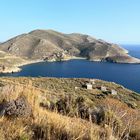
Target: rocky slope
<point>53,46</point>
<point>9,63</point>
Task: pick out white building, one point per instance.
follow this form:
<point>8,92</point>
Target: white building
<point>92,81</point>
<point>113,92</point>
<point>76,88</point>
<point>89,86</point>
<point>103,88</point>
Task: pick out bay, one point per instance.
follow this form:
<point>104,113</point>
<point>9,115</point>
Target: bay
<point>127,75</point>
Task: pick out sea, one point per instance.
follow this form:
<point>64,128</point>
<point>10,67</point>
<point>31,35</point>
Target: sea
<point>127,75</point>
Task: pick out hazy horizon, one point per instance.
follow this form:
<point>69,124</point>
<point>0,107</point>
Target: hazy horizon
<point>113,21</point>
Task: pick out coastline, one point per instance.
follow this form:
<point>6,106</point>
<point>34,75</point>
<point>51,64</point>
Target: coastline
<point>16,67</point>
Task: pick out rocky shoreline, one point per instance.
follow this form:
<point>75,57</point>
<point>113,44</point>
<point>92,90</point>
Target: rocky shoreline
<point>16,68</point>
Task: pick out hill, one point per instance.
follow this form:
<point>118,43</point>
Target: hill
<point>54,46</point>
<point>64,109</point>
<point>9,63</point>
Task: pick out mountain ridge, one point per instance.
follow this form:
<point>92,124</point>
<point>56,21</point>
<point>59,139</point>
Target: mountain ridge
<point>50,45</point>
<point>76,44</point>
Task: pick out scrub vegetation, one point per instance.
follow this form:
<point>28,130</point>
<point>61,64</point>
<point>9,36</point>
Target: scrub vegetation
<point>64,109</point>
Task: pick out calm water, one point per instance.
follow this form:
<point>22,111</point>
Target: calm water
<point>126,74</point>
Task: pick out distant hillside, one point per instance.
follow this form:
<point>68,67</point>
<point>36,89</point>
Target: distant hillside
<point>9,63</point>
<point>52,45</point>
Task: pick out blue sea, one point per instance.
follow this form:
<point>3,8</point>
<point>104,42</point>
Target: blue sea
<point>127,75</point>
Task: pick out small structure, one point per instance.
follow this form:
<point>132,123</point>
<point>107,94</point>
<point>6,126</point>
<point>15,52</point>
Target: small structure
<point>89,86</point>
<point>92,81</point>
<point>113,92</point>
<point>76,88</point>
<point>103,88</point>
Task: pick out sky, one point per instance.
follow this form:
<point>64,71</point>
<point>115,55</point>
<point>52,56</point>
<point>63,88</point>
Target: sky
<point>116,21</point>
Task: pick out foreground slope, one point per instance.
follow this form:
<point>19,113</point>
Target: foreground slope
<point>53,46</point>
<point>64,109</point>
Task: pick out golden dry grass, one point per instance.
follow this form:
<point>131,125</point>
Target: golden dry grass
<point>48,125</point>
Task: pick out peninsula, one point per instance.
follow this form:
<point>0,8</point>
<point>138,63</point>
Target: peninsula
<point>50,45</point>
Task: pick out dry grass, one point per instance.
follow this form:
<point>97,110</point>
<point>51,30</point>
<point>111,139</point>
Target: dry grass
<point>48,125</point>
<point>61,127</point>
